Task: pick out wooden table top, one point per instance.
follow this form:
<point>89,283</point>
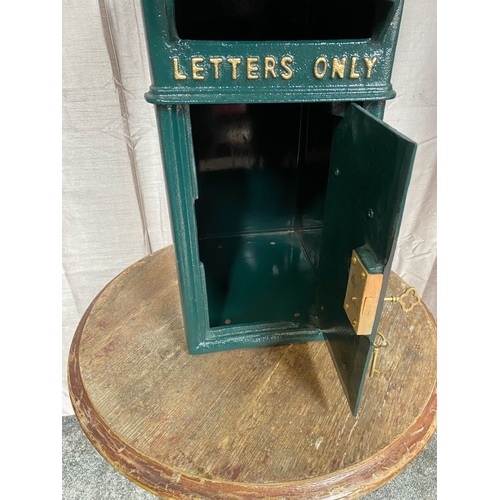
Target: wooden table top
<point>255,423</point>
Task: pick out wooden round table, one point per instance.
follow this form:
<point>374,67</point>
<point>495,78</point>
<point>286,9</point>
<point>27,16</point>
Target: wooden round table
<point>255,423</point>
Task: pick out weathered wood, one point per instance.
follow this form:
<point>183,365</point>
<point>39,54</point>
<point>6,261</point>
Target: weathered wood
<point>255,423</point>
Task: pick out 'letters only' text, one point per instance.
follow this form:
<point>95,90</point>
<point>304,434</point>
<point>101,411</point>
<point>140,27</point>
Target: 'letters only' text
<point>254,68</point>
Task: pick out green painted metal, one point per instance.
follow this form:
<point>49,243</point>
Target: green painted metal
<point>176,137</point>
<point>248,96</point>
<point>371,166</point>
<point>258,278</point>
<point>199,81</point>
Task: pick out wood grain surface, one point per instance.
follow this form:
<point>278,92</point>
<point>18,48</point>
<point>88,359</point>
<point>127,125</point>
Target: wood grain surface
<point>254,423</point>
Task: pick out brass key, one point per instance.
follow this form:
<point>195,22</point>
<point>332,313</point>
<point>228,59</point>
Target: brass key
<point>407,306</point>
<point>376,348</point>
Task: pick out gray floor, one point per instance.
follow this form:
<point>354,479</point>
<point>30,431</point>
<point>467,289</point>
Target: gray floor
<point>87,476</point>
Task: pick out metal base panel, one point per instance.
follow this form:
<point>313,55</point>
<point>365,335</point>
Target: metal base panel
<point>258,278</point>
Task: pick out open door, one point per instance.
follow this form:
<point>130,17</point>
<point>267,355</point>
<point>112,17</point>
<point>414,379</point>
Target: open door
<point>369,175</point>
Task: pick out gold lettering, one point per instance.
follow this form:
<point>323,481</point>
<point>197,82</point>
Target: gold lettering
<point>353,73</point>
<point>234,61</point>
<point>269,66</point>
<point>177,73</point>
<point>252,68</point>
<point>197,69</point>
<point>338,67</point>
<point>317,72</point>
<point>369,65</point>
<point>288,70</point>
<point>216,61</point>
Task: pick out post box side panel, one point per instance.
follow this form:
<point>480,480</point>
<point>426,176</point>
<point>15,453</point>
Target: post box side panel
<point>370,172</point>
<point>175,139</point>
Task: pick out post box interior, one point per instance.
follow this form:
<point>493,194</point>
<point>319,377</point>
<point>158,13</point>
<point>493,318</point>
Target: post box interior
<point>262,173</point>
<point>265,20</point>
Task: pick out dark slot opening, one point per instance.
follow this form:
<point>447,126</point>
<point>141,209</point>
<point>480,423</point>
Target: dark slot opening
<point>262,172</point>
<point>268,20</point>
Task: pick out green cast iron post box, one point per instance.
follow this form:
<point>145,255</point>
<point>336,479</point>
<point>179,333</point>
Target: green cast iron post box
<point>286,188</point>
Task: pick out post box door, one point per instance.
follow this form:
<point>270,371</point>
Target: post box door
<point>369,174</point>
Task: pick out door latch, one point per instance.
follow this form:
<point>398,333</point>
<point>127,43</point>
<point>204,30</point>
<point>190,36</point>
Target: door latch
<point>362,296</point>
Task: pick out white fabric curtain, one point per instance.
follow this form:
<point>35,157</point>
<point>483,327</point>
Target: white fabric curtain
<point>114,202</point>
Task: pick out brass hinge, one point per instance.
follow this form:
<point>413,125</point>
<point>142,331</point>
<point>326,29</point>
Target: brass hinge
<point>362,296</point>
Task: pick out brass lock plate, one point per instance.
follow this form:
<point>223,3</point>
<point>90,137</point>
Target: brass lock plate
<point>362,296</point>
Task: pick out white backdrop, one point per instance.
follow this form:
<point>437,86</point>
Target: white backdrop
<point>114,202</point>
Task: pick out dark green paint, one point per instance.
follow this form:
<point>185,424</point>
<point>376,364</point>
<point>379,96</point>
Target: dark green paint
<point>258,278</point>
<point>261,224</point>
<point>165,44</point>
<point>371,165</point>
<point>262,173</point>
